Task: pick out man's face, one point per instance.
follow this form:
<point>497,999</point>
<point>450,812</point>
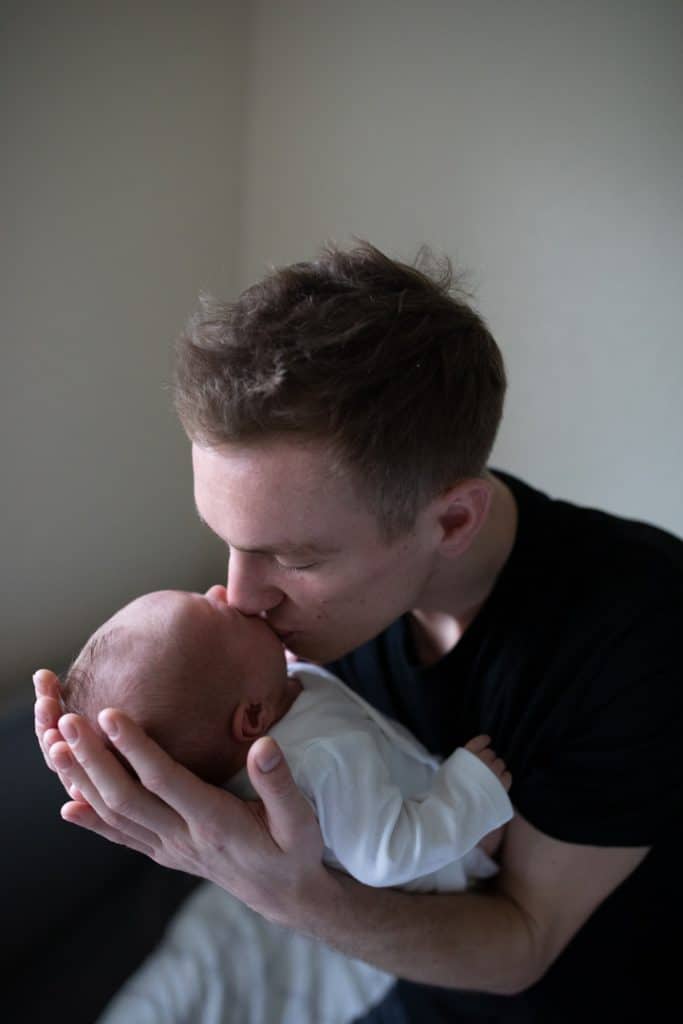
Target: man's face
<point>304,549</point>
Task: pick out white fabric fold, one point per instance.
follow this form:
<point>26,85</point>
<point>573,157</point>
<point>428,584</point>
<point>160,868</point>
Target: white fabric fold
<point>391,814</point>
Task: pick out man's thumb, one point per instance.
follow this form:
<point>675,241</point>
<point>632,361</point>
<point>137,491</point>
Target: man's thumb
<point>267,755</point>
<point>287,809</point>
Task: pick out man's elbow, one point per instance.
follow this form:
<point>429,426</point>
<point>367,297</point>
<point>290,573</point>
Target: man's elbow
<point>520,982</point>
<point>514,980</point>
<point>517,979</point>
<point>531,961</point>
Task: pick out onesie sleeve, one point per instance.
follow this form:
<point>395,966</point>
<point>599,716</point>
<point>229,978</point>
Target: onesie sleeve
<point>384,839</point>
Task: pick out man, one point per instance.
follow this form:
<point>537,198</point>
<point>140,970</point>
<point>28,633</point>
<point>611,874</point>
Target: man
<point>342,413</point>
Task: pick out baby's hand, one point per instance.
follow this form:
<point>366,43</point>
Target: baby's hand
<point>480,746</point>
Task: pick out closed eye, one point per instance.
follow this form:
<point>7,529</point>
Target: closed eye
<point>289,567</point>
<point>295,568</point>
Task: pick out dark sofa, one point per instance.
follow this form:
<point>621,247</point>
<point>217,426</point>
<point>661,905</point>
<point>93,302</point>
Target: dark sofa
<point>79,913</point>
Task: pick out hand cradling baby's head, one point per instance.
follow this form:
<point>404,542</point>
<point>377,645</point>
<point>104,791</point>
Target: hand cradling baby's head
<point>178,664</point>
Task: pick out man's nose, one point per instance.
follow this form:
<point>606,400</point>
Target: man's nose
<point>249,589</point>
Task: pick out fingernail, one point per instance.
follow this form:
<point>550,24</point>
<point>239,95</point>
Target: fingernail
<point>61,759</point>
<point>109,725</point>
<point>268,759</point>
<point>68,731</point>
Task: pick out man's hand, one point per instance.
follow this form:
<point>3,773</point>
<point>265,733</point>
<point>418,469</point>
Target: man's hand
<point>264,852</point>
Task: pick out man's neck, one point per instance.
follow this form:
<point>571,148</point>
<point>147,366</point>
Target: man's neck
<point>459,588</point>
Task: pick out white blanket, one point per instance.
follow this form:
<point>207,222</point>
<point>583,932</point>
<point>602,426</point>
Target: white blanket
<point>220,963</point>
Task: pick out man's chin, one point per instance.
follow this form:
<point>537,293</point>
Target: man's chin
<point>320,651</point>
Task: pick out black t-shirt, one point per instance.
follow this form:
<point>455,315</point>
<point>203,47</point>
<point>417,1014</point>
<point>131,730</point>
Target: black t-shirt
<point>573,667</point>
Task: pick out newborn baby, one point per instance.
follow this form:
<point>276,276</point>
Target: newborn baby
<point>205,682</point>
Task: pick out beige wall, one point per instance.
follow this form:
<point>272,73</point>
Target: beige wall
<point>120,191</point>
<point>157,148</point>
<point>540,144</point>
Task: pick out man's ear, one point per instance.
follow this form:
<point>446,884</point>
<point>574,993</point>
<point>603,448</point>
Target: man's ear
<point>461,512</point>
<point>250,720</point>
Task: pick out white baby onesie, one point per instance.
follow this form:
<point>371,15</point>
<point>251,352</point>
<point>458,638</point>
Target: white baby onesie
<point>390,813</point>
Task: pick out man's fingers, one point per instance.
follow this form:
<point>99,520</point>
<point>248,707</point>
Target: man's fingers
<point>46,684</point>
<point>106,784</point>
<point>45,717</point>
<point>287,809</point>
<point>51,737</point>
<point>47,712</point>
<point>48,708</point>
<point>78,784</point>
<point>187,795</point>
<point>78,812</point>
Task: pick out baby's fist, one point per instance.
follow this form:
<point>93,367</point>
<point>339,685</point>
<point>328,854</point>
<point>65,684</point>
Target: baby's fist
<point>480,746</point>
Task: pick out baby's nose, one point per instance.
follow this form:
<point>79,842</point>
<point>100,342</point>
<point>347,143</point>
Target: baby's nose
<point>218,591</point>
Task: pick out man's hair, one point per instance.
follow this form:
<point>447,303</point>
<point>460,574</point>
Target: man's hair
<point>388,363</point>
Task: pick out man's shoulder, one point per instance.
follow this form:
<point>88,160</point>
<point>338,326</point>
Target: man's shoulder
<point>581,541</point>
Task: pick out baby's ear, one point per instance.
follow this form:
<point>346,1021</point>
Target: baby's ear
<point>250,721</point>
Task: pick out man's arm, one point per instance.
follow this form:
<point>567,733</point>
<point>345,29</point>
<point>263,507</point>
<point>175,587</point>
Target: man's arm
<point>500,939</point>
<point>268,855</point>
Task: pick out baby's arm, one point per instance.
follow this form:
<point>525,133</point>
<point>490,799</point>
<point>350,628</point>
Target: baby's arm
<point>384,839</point>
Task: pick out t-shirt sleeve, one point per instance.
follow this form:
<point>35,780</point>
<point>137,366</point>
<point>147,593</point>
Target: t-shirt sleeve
<point>609,771</point>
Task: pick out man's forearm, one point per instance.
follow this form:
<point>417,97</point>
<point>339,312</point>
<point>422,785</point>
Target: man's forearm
<point>478,940</point>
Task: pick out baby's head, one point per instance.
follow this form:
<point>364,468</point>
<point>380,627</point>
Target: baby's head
<point>201,679</point>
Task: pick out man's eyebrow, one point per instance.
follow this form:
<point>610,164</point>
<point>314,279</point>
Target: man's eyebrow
<point>281,546</point>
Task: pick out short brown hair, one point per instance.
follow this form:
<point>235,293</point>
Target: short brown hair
<point>388,362</point>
